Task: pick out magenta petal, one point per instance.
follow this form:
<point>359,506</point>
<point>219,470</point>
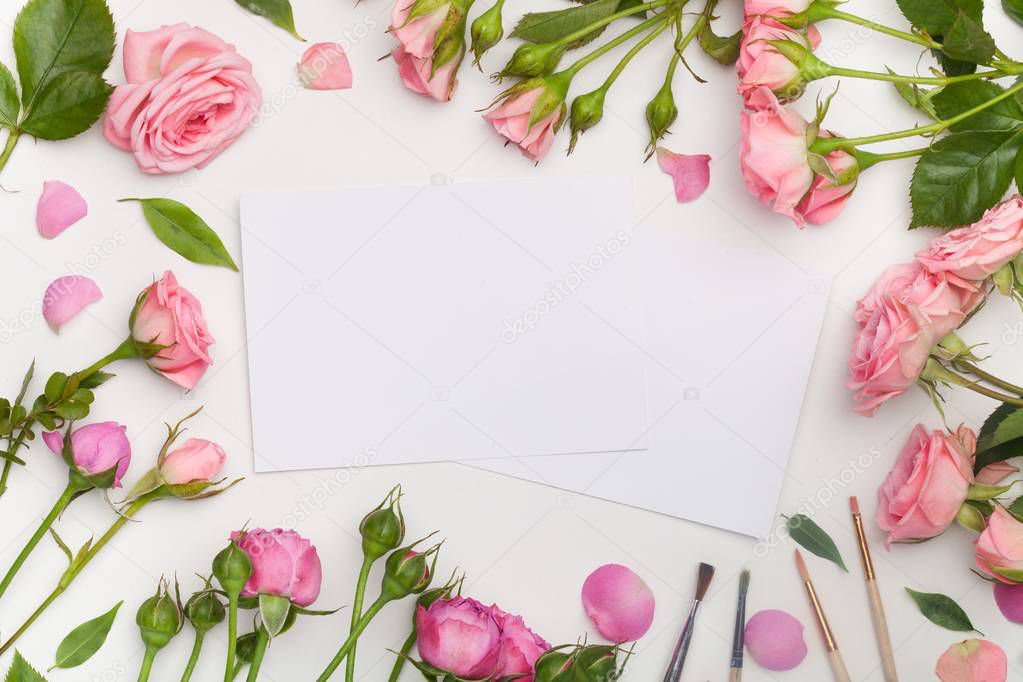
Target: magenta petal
<point>65,298</point>
<point>324,66</point>
<point>691,174</point>
<point>619,603</point>
<point>775,640</point>
<point>54,440</point>
<point>59,207</point>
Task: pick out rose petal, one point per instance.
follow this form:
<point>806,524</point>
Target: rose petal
<point>324,66</point>
<point>691,174</point>
<point>618,602</point>
<point>775,640</point>
<point>66,297</point>
<point>59,207</point>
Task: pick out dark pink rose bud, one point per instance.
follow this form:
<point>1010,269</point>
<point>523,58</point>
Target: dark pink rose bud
<point>459,636</point>
<point>100,452</point>
<point>284,564</point>
<point>520,646</point>
<point>195,460</point>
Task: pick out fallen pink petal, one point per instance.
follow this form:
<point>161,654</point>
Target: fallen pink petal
<point>619,603</point>
<point>691,174</point>
<point>775,640</point>
<point>60,206</point>
<point>66,297</point>
<point>324,66</point>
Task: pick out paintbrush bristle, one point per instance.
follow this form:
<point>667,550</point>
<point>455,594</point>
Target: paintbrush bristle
<point>703,580</point>
<point>854,504</point>
<point>801,565</point>
<point>744,581</point>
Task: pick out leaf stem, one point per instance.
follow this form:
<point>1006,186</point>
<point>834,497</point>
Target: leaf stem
<point>353,637</point>
<point>865,159</point>
<point>399,664</point>
<point>262,640</point>
<point>12,142</point>
<point>232,636</point>
<point>620,67</point>
<point>194,658</point>
<point>610,45</point>
<point>360,596</point>
<point>61,504</point>
<point>694,31</point>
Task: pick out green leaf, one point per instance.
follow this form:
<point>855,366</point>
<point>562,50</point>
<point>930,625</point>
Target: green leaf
<point>953,67</point>
<point>21,671</point>
<point>722,49</point>
<point>917,97</point>
<point>52,37</point>
<point>963,175</point>
<point>546,27</point>
<point>55,387</point>
<point>184,232</point>
<point>25,381</point>
<point>67,105</point>
<point>938,16</point>
<point>273,611</point>
<point>942,610</point>
<point>967,41</point>
<point>85,640</point>
<point>1014,8</point>
<point>10,106</point>
<point>956,98</point>
<point>70,409</point>
<point>812,537</point>
<point>96,379</point>
<point>61,544</point>
<point>1000,437</point>
<point>277,11</point>
<point>1016,508</point>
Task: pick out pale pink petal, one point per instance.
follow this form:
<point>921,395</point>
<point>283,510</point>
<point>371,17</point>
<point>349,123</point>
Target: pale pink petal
<point>995,473</point>
<point>775,640</point>
<point>60,206</point>
<point>324,66</point>
<point>66,297</point>
<point>54,440</point>
<point>691,174</point>
<point>143,49</point>
<point>618,602</point>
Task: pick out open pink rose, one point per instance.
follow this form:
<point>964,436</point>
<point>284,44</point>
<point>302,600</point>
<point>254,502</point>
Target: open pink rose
<point>424,67</point>
<point>978,251</point>
<point>195,460</point>
<point>973,660</point>
<point>999,549</point>
<point>775,7</point>
<point>189,95</point>
<point>921,496</point>
<point>459,636</point>
<point>618,602</point>
<point>95,449</point>
<point>171,316</point>
<point>284,564</point>
<point>760,64</point>
<point>529,115</point>
<point>520,646</point>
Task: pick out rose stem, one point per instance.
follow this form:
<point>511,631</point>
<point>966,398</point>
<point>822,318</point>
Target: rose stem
<point>12,141</point>
<point>399,664</point>
<point>818,11</point>
<point>585,31</point>
<point>921,80</point>
<point>617,71</point>
<point>232,633</point>
<point>360,596</point>
<point>353,636</point>
<point>610,45</point>
<point>866,159</point>
<point>194,658</point>
<point>262,639</point>
<point>990,378</point>
<point>147,663</point>
<point>945,374</point>
<point>62,502</point>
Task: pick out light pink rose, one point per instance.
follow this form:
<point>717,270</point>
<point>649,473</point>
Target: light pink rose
<point>189,95</point>
<point>171,316</point>
<point>59,207</point>
<point>689,172</point>
<point>95,449</point>
<point>921,496</point>
<point>760,64</point>
<point>826,199</point>
<point>973,660</point>
<point>520,646</point>
<point>324,66</point>
<point>418,49</point>
<point>978,251</point>
<point>775,7</point>
<point>67,296</point>
<point>618,602</point>
<point>284,564</point>
<point>459,636</point>
<point>1000,547</point>
<point>511,118</point>
<point>420,77</point>
<point>195,460</point>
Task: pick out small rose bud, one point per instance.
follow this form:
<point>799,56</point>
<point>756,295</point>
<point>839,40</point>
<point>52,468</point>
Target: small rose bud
<point>160,617</point>
<point>383,529</point>
<point>486,31</point>
<point>533,59</point>
<point>245,647</point>
<point>204,609</point>
<point>232,568</point>
<point>408,572</point>
<point>587,110</point>
<point>661,112</point>
<point>99,452</point>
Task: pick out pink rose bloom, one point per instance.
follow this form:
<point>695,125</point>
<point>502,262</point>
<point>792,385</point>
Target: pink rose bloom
<point>95,449</point>
<point>618,602</point>
<point>825,200</point>
<point>420,77</point>
<point>513,115</point>
<point>520,646</point>
<point>978,251</point>
<point>775,7</point>
<point>459,636</point>
<point>189,95</point>
<point>921,496</point>
<point>973,660</point>
<point>195,460</point>
<point>417,50</point>
<point>760,64</point>
<point>284,564</point>
<point>171,316</point>
<point>1000,547</point>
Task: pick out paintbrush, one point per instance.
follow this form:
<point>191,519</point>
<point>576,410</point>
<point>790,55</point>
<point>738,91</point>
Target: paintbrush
<point>884,640</point>
<point>739,634</point>
<point>835,658</point>
<point>678,657</point>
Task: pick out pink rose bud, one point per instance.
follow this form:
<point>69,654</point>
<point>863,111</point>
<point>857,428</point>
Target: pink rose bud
<point>195,460</point>
<point>530,114</point>
<point>60,206</point>
<point>67,296</point>
<point>775,640</point>
<point>980,250</point>
<point>324,66</point>
<point>999,549</point>
<point>284,564</point>
<point>761,65</point>
<point>189,95</point>
<point>777,8</point>
<point>170,316</point>
<point>921,496</point>
<point>100,452</point>
<point>520,646</point>
<point>459,636</point>
<point>827,198</point>
<point>431,46</point>
<point>973,660</point>
<point>618,602</point>
<point>691,174</point>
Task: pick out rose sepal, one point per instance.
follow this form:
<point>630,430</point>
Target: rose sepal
<point>1013,574</point>
<point>971,518</point>
<point>979,491</point>
<point>273,612</point>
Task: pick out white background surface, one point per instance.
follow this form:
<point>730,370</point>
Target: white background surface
<point>526,546</point>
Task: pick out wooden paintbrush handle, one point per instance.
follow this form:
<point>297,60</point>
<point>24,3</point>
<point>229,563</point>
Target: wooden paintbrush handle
<point>838,667</point>
<point>735,675</point>
<point>884,640</point>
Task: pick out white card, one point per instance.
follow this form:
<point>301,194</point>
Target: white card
<point>449,322</point>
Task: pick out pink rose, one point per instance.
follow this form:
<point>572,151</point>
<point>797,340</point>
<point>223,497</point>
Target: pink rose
<point>618,602</point>
<point>999,549</point>
<point>195,460</point>
<point>760,64</point>
<point>978,251</point>
<point>520,646</point>
<point>459,636</point>
<point>529,115</point>
<point>973,660</point>
<point>826,199</point>
<point>284,564</point>
<point>96,449</point>
<point>921,496</point>
<point>775,7</point>
<point>424,67</point>
<point>170,316</point>
<point>189,95</point>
